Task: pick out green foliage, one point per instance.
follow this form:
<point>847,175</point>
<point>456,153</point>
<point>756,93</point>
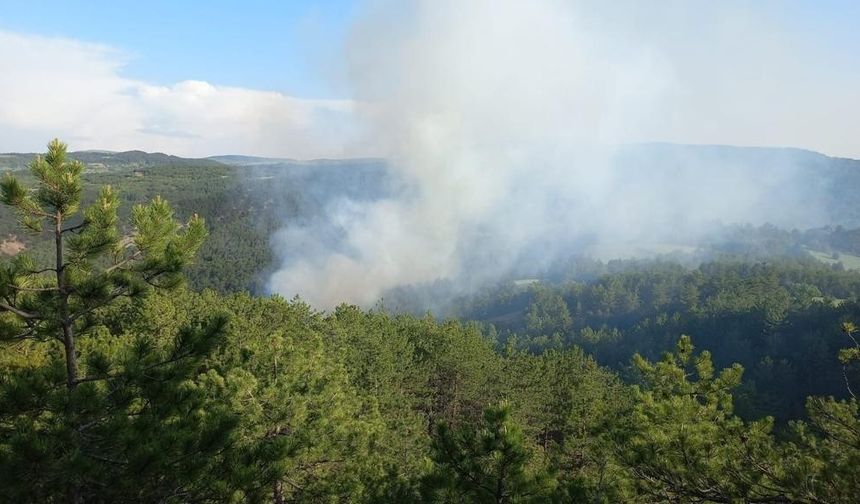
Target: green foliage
<point>683,440</point>
<point>119,385</point>
<point>147,429</point>
<point>822,461</point>
<point>492,464</point>
<point>93,264</point>
<point>200,397</point>
<point>824,457</point>
<point>568,403</point>
<point>88,415</point>
<point>547,313</point>
<point>778,319</point>
<point>295,399</point>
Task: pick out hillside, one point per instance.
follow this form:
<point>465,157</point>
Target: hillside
<point>98,160</point>
<point>550,384</point>
<point>248,199</point>
<point>790,188</point>
<point>243,205</point>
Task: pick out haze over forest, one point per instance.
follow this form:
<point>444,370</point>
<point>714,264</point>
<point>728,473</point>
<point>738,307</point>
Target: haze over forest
<point>430,251</point>
<point>505,134</point>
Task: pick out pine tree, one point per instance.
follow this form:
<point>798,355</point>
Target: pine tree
<point>88,411</point>
<point>491,464</point>
<point>825,456</point>
<point>93,264</point>
<point>684,444</point>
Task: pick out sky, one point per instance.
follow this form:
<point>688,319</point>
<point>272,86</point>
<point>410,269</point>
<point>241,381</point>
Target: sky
<point>269,45</point>
<point>287,78</point>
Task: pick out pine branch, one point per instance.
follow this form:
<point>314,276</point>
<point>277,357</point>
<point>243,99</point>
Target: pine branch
<point>43,270</point>
<point>111,297</point>
<point>118,265</point>
<point>847,382</point>
<point>35,289</point>
<point>20,313</point>
<point>104,459</point>
<point>28,334</point>
<point>41,213</point>
<point>173,359</point>
<point>75,228</point>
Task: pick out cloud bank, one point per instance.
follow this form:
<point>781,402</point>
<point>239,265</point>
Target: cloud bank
<point>54,87</point>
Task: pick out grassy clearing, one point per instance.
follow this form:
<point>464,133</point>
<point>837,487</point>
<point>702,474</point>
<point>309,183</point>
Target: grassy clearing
<point>849,261</point>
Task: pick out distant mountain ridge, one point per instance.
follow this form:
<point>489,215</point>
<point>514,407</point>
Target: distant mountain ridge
<point>19,160</point>
<point>113,160</point>
<point>239,160</point>
<point>108,160</point>
<point>798,188</point>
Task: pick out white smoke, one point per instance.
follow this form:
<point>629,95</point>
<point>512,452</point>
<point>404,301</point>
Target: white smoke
<point>503,120</point>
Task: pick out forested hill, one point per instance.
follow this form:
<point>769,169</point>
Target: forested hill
<point>118,384</point>
<point>245,203</point>
<point>777,317</point>
<point>766,318</point>
<point>791,188</point>
<point>236,160</point>
<point>251,198</point>
<point>804,189</point>
<point>98,160</point>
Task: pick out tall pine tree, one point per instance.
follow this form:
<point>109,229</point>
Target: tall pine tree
<point>90,413</point>
<point>93,263</point>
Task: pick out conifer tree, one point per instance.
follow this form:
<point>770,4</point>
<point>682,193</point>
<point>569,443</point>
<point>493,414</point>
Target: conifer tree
<point>490,464</point>
<point>93,263</point>
<point>88,411</point>
<point>824,459</point>
<point>684,444</point>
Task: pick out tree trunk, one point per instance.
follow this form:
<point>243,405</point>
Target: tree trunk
<point>64,319</point>
<point>278,493</point>
<point>73,494</point>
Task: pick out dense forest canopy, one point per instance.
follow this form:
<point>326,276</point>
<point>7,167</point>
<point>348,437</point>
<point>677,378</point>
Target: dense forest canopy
<point>722,374</point>
<point>257,199</point>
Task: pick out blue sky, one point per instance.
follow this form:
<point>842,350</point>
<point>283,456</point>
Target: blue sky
<point>297,78</point>
<point>289,45</point>
<point>264,44</point>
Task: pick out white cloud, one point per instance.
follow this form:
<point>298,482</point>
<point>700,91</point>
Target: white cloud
<point>55,87</point>
<point>726,73</point>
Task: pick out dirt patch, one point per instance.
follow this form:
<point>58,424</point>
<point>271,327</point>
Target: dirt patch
<point>11,246</point>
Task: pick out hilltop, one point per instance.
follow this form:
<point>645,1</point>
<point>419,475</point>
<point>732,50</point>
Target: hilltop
<point>248,199</point>
<point>107,160</point>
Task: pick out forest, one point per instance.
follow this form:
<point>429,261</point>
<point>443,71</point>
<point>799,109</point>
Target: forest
<point>142,362</point>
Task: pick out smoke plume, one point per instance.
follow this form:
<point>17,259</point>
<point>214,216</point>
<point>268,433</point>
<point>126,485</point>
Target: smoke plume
<point>514,130</point>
